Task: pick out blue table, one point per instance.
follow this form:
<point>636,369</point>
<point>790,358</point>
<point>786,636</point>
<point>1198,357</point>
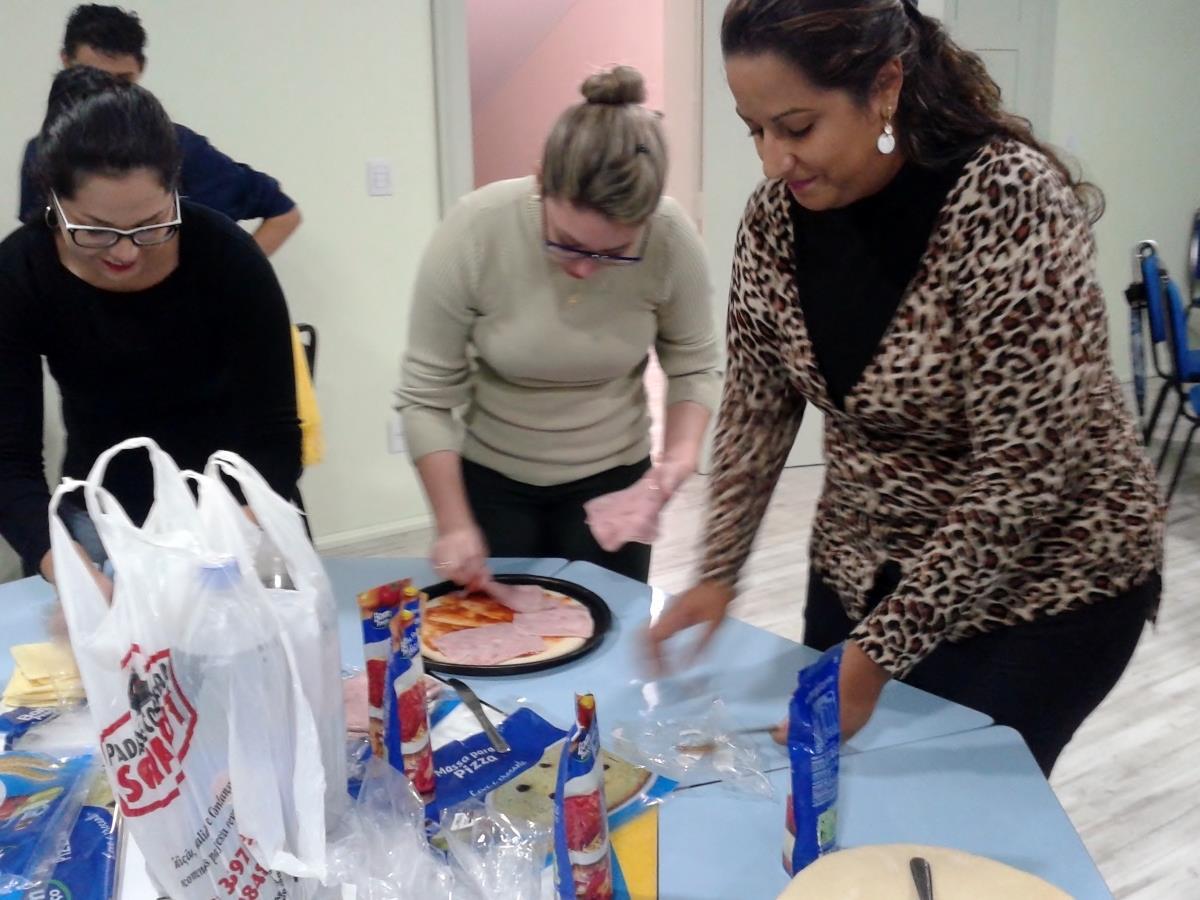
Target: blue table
<point>979,791</point>
<point>924,770</point>
<point>752,670</point>
<point>24,607</point>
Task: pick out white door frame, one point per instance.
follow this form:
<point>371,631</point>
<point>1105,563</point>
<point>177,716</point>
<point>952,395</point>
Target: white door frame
<point>1034,88</point>
<point>452,92</point>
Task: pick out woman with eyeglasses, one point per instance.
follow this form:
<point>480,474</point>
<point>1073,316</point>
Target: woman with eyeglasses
<point>534,311</point>
<point>156,317</point>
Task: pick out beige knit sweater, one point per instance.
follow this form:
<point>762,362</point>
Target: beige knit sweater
<point>537,375</point>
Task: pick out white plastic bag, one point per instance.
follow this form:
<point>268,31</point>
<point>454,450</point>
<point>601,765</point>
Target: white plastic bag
<point>194,688</point>
<point>307,610</point>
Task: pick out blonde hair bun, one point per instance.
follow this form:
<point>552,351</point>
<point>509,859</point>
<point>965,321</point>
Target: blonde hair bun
<point>618,86</point>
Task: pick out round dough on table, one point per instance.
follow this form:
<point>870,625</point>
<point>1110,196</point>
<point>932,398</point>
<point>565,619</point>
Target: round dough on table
<point>881,873</point>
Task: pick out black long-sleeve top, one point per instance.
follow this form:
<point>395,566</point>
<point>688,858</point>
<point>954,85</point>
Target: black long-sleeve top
<point>199,362</point>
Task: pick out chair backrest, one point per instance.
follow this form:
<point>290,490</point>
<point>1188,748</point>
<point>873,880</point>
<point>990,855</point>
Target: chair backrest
<point>308,335</point>
<point>1178,328</point>
<point>1194,255</point>
<point>1166,309</point>
<point>1151,272</point>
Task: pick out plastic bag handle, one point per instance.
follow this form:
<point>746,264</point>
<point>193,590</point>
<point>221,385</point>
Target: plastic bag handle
<point>280,521</point>
<point>172,512</point>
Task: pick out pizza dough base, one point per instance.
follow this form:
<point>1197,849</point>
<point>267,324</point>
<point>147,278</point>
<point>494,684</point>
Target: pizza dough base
<point>881,873</point>
<point>556,647</point>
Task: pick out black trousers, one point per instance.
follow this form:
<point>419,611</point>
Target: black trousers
<point>519,519</point>
<point>1042,678</point>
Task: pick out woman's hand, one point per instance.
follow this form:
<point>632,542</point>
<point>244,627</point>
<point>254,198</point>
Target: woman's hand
<point>860,682</point>
<point>704,604</point>
<point>460,554</point>
<point>46,567</point>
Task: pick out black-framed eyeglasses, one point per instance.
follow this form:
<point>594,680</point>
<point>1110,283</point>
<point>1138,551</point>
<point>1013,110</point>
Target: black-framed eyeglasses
<point>567,253</point>
<point>97,237</point>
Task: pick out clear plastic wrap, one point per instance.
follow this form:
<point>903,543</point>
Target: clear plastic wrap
<point>381,850</point>
<point>694,745</point>
<point>494,855</point>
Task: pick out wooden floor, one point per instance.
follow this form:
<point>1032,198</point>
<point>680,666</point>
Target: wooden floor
<point>1131,778</point>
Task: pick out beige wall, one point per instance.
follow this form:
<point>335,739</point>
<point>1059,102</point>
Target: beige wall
<point>307,91</point>
<point>1125,85</point>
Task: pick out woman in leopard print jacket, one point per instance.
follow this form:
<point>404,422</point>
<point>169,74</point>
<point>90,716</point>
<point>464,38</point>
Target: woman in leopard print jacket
<point>920,267</point>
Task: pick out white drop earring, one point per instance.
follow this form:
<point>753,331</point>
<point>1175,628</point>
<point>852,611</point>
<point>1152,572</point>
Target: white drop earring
<point>886,144</point>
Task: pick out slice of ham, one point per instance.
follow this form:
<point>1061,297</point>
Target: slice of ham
<point>488,645</point>
<point>563,621</point>
<point>520,598</point>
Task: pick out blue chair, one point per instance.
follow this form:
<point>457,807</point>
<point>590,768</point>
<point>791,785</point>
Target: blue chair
<point>1166,315</point>
<point>1190,407</point>
<point>1194,261</point>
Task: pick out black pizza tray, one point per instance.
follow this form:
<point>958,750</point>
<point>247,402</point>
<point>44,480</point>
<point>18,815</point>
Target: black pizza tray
<point>601,619</point>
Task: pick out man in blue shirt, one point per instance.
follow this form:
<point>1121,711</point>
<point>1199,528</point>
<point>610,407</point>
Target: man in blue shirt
<point>108,38</point>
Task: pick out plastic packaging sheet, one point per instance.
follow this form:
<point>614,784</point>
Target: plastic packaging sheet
<point>496,856</point>
<point>381,851</point>
<point>684,731</point>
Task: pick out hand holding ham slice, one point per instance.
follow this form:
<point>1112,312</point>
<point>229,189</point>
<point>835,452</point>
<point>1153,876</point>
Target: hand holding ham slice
<point>628,515</point>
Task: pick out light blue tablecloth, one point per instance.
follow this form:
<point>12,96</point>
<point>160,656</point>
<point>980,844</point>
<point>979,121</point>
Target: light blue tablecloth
<point>924,770</point>
<point>979,791</point>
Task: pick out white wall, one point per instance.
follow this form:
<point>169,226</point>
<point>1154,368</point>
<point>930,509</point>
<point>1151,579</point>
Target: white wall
<point>307,91</point>
<point>1125,87</point>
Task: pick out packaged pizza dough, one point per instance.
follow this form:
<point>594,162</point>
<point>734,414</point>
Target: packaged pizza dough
<point>814,742</point>
<point>521,784</point>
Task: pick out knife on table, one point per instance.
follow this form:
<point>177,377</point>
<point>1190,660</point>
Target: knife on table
<point>471,701</point>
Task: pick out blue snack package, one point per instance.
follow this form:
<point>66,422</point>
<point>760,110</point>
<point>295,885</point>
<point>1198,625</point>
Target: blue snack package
<point>583,868</point>
<point>87,866</point>
<point>377,607</point>
<point>407,739</point>
<point>40,800</point>
<point>814,742</point>
<point>16,722</point>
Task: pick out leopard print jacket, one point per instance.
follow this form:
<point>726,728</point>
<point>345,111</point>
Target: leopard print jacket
<point>986,448</point>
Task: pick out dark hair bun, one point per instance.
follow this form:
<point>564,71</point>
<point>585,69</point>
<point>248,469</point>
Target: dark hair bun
<point>619,86</point>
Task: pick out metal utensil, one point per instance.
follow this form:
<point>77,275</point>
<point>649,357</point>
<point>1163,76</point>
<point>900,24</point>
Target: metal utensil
<point>472,703</point>
<point>922,876</point>
<point>698,742</point>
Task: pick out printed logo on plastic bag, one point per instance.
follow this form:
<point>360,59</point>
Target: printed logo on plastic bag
<point>145,748</point>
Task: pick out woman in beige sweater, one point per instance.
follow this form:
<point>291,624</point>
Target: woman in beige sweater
<point>535,307</point>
